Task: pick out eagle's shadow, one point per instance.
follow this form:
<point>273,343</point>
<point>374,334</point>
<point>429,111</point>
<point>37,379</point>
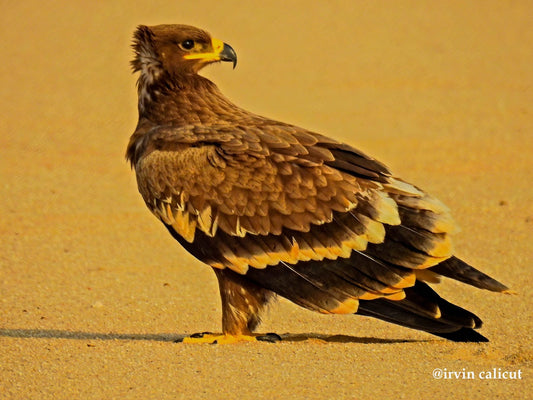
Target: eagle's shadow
<point>172,337</point>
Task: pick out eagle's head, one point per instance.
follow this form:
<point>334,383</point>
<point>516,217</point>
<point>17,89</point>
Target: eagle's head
<point>177,50</point>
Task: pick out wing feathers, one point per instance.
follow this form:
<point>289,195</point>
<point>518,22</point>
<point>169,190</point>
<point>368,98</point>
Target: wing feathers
<point>426,219</point>
<point>433,244</point>
<point>311,219</point>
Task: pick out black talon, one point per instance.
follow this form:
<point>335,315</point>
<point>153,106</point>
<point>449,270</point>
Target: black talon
<point>199,335</point>
<point>269,337</point>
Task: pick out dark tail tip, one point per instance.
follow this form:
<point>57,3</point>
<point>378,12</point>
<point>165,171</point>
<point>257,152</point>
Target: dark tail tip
<point>457,269</point>
<point>462,335</point>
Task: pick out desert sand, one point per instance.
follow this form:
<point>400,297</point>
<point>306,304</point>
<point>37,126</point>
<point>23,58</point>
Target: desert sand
<point>93,290</point>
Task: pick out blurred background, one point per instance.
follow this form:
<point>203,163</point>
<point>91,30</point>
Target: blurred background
<point>441,91</point>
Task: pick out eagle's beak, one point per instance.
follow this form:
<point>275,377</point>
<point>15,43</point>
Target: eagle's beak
<point>228,54</point>
<point>221,52</point>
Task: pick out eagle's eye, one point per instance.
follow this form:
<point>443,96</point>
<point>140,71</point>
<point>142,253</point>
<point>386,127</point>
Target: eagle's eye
<point>187,44</point>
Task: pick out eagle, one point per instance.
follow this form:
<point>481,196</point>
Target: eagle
<point>278,210</point>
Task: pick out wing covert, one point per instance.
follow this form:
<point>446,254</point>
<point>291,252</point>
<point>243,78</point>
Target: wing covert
<point>267,195</point>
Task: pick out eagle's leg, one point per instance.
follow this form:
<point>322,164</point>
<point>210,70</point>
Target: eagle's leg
<point>242,303</point>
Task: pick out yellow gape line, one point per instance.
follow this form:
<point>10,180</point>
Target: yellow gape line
<point>218,47</point>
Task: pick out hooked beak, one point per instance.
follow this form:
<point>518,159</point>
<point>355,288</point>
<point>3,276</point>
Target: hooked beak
<point>228,54</point>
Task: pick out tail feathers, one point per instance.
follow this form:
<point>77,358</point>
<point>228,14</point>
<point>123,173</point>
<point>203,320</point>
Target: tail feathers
<point>421,295</point>
<point>448,320</point>
<point>463,335</point>
<point>457,269</point>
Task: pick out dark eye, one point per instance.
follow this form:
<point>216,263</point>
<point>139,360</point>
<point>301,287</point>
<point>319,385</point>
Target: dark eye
<point>187,44</point>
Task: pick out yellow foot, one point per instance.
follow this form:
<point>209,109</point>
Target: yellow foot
<point>211,338</point>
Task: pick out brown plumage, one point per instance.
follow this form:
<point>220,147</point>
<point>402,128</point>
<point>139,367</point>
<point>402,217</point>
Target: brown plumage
<point>277,209</point>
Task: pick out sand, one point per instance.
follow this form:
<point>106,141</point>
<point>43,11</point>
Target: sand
<point>93,290</point>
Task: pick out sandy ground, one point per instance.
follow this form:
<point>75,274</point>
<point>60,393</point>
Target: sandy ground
<point>93,291</point>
